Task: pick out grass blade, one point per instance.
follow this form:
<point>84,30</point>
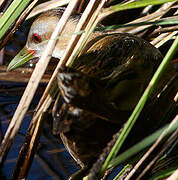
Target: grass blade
<point>14,10</point>
<point>138,147</point>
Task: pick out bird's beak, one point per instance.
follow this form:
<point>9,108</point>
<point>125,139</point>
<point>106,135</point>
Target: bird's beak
<point>21,58</point>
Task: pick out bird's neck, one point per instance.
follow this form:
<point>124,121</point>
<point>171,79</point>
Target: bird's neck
<point>66,36</point>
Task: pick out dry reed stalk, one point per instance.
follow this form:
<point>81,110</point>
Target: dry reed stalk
<point>47,6</point>
<point>1,2</point>
<point>162,30</point>
<point>21,169</point>
<point>109,11</point>
<point>1,56</point>
<point>174,176</point>
<point>89,29</point>
<point>163,38</point>
<point>45,105</point>
<point>33,84</point>
<point>19,75</point>
<point>150,17</point>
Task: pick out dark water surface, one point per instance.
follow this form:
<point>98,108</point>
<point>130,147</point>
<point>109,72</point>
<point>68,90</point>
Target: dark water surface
<point>52,160</point>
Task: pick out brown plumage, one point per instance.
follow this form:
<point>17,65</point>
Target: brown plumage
<point>102,89</point>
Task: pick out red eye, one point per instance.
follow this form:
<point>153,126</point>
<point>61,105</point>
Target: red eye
<point>36,38</point>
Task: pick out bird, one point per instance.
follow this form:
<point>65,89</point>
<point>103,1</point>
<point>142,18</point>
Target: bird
<point>101,88</point>
<point>39,34</point>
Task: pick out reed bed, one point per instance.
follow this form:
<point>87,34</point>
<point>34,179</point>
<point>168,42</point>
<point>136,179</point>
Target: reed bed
<point>156,22</point>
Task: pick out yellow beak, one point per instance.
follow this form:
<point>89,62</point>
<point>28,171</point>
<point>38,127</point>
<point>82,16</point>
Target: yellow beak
<point>21,58</point>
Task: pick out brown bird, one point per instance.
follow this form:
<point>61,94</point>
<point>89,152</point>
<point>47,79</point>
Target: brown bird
<point>103,86</point>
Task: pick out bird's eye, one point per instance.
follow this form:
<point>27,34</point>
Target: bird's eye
<point>36,38</point>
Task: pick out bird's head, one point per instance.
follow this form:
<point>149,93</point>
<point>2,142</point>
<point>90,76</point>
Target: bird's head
<point>39,35</point>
